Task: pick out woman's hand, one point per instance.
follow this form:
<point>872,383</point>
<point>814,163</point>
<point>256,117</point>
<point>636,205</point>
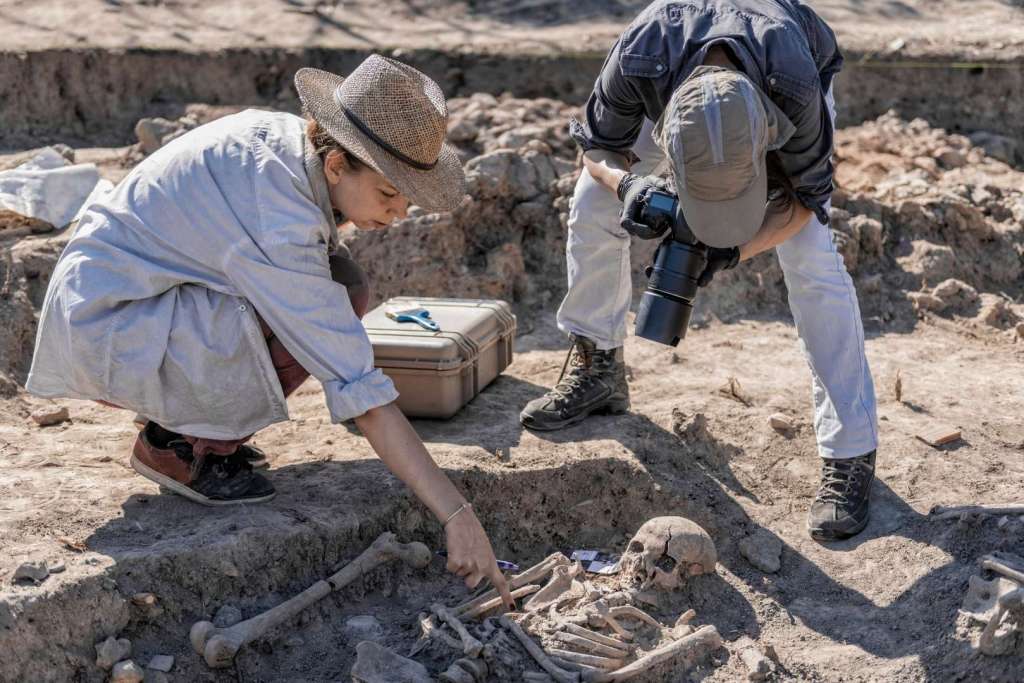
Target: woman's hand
<point>470,555</point>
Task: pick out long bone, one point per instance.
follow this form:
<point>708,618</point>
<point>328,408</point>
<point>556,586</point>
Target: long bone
<point>993,563</point>
<point>630,612</point>
<point>559,674</point>
<point>219,645</point>
<point>485,607</point>
<point>691,648</point>
<point>430,630</point>
<point>534,573</point>
<point>560,583</point>
<point>470,645</point>
<point>604,612</point>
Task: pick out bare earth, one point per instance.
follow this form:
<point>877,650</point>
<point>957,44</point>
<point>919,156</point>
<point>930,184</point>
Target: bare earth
<point>973,28</point>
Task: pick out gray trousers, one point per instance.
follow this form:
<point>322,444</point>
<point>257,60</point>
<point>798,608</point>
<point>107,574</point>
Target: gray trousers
<point>821,297</point>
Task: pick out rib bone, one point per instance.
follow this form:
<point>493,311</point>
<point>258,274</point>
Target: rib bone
<point>633,613</point>
<point>485,607</point>
<point>590,646</point>
<point>596,637</point>
<point>560,675</point>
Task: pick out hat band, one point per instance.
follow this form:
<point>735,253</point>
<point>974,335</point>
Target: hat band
<point>384,144</point>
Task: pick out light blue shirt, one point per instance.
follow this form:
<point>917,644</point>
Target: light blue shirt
<point>153,303</point>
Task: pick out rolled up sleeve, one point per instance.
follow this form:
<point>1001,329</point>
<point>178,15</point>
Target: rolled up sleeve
<point>807,157</point>
<point>284,272</point>
<point>614,113</point>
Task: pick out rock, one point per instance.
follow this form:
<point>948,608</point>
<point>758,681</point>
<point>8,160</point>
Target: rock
<point>995,312</point>
<point>144,599</point>
<point>932,262</point>
<point>780,422</point>
<point>56,567</point>
<point>151,133</point>
<point>32,571</point>
<point>999,147</point>
<point>462,130</point>
<point>923,301</point>
<point>763,550</point>
<point>363,627</point>
<point>950,158</point>
<point>51,415</point>
<point>227,615</point>
<point>377,664</point>
<point>126,672</point>
<point>161,663</point>
<point>758,666</point>
<point>956,294</point>
<point>111,651</point>
<point>1020,330</point>
<point>294,641</point>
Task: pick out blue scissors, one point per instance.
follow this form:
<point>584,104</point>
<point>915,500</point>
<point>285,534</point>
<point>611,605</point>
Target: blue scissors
<point>420,316</point>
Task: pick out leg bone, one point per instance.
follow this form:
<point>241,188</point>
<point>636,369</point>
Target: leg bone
<point>560,675</point>
<point>470,645</point>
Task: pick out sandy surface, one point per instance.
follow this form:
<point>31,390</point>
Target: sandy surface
<point>975,29</point>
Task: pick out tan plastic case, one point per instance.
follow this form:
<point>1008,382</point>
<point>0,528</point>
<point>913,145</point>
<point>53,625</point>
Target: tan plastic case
<point>436,373</point>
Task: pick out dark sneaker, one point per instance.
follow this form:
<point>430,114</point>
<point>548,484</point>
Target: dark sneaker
<point>596,382</point>
<point>210,480</point>
<point>840,508</point>
<point>256,458</point>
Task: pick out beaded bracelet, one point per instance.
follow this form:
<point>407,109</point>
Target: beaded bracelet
<point>464,506</point>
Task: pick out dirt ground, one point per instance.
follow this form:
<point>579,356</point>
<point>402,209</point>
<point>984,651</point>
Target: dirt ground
<point>931,228</point>
<point>973,28</point>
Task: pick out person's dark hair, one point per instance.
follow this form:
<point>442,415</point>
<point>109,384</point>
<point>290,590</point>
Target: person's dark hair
<point>323,143</point>
<point>781,194</point>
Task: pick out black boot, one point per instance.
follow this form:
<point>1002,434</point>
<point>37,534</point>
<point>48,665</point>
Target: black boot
<point>596,382</point>
<point>840,508</point>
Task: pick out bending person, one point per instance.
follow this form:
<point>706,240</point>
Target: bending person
<point>741,93</point>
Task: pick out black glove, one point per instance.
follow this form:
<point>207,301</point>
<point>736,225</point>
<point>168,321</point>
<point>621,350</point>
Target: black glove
<point>633,191</point>
<point>718,259</point>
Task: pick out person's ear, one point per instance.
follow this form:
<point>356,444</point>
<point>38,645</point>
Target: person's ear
<point>334,166</point>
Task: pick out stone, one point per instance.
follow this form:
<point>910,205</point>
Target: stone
<point>956,294</point>
<point>763,550</point>
<point>780,422</point>
<point>227,615</point>
<point>758,665</point>
<point>161,663</point>
<point>377,664</point>
<point>363,627</point>
<point>56,567</point>
<point>32,571</point>
<point>126,672</point>
<point>923,301</point>
<point>950,158</point>
<point>51,415</point>
<point>1000,147</point>
<point>111,651</point>
<point>144,599</point>
<point>151,133</point>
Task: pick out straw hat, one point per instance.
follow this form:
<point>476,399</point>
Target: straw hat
<point>394,119</point>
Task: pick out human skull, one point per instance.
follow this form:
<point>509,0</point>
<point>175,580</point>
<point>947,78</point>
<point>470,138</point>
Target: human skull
<point>667,550</point>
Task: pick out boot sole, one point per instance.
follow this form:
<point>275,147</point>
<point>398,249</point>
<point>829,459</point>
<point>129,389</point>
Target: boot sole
<point>177,487</point>
<point>819,534</point>
<point>610,408</point>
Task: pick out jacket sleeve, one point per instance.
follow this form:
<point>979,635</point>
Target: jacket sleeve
<point>283,270</point>
<point>807,155</point>
<point>614,112</point>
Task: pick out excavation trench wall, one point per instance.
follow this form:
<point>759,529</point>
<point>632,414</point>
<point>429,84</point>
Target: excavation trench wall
<point>255,559</point>
<point>98,95</point>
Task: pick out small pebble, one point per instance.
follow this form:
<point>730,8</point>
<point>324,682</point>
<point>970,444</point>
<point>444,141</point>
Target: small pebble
<point>161,663</point>
<point>294,641</point>
<point>111,651</point>
<point>780,422</point>
<point>144,599</point>
<point>31,571</point>
<point>363,627</point>
<point>56,567</point>
<point>51,415</point>
<point>126,672</point>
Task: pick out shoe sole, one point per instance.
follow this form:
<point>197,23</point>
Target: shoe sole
<point>830,535</point>
<point>614,408</point>
<point>177,487</point>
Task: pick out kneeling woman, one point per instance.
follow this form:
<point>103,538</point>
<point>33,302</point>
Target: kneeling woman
<point>205,288</point>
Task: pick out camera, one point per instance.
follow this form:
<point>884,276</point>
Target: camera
<point>667,303</point>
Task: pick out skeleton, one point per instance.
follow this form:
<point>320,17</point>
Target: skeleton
<point>534,573</point>
<point>998,603</point>
<point>219,645</point>
<point>560,583</point>
<point>666,551</point>
<point>470,645</point>
<point>485,607</point>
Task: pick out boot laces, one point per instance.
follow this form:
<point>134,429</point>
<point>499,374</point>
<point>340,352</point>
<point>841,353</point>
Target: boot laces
<point>579,362</point>
<point>840,478</point>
